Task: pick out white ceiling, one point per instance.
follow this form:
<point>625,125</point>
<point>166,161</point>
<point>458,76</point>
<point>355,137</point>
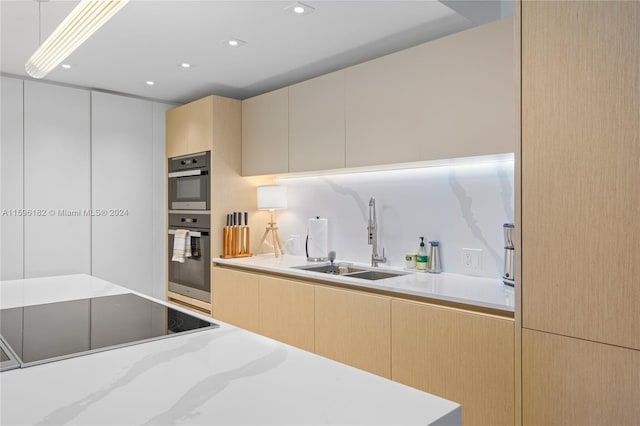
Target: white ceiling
<point>147,40</point>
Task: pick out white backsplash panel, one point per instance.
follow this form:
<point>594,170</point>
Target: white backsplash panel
<point>462,206</point>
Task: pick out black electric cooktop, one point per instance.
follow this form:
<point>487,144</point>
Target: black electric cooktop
<point>52,331</point>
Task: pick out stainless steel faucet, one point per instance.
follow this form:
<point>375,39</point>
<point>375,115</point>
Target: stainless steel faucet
<point>372,228</point>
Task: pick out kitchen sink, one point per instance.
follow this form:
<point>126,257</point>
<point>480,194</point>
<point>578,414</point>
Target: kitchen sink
<point>376,275</point>
<point>325,268</point>
<point>350,271</point>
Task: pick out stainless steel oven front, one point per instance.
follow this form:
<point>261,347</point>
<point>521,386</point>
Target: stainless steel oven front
<point>193,277</point>
<point>189,182</point>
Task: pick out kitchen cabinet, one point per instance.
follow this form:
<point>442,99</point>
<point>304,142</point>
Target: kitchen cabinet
<point>354,328</point>
<point>236,298</point>
<point>265,133</point>
<point>57,173</point>
<point>571,381</point>
<point>189,128</point>
<point>287,311</point>
<point>316,124</point>
<point>121,176</point>
<point>451,97</point>
<point>581,236</point>
<point>463,356</point>
<point>11,178</point>
<point>580,202</point>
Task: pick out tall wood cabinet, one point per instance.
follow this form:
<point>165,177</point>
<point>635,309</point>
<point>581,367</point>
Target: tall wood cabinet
<point>580,162</point>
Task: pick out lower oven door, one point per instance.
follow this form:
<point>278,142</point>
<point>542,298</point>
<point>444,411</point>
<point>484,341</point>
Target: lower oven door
<point>193,277</point>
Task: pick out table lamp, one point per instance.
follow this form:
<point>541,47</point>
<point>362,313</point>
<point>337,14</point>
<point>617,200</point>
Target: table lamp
<point>272,198</point>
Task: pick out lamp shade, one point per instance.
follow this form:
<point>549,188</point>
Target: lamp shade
<point>272,197</point>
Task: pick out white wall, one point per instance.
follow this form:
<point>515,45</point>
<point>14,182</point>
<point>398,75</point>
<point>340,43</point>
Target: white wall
<point>461,206</point>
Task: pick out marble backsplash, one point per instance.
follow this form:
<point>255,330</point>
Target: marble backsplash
<point>462,206</point>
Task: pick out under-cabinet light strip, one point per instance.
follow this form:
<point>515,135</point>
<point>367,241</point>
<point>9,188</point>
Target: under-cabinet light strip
<point>85,19</point>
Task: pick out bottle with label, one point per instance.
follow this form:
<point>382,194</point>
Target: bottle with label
<point>422,260</point>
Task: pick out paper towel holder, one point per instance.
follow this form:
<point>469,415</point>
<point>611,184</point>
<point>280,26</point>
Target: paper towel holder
<point>272,198</point>
<point>317,258</point>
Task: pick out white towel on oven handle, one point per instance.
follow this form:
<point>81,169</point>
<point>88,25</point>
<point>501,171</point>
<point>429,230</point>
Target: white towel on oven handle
<point>181,245</point>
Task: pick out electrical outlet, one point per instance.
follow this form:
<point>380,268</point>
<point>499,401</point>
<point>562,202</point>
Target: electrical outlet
<point>472,260</point>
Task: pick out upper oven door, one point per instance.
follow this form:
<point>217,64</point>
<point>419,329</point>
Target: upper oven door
<point>188,192</point>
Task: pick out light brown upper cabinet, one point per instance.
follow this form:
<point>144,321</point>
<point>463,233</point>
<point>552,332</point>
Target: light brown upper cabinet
<point>452,97</point>
<point>316,124</point>
<point>265,133</point>
<point>189,128</point>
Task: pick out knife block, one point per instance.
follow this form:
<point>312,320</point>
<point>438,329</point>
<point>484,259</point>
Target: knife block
<point>236,242</point>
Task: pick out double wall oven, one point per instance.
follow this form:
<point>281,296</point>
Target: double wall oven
<point>189,204</point>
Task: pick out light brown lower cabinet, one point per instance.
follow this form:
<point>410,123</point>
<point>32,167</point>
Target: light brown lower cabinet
<point>569,381</point>
<point>287,311</point>
<point>462,356</point>
<point>354,328</point>
<point>236,298</point>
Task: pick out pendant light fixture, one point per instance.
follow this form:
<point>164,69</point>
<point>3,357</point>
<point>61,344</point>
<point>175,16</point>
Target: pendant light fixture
<point>85,19</point>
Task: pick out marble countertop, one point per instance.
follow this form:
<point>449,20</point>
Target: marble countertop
<point>475,291</point>
<point>221,376</point>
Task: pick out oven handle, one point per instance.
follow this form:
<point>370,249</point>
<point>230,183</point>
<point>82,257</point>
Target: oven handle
<point>191,233</point>
<point>186,173</point>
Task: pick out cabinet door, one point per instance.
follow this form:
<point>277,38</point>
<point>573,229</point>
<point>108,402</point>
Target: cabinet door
<point>122,160</point>
<point>11,178</point>
<point>236,298</point>
<point>447,98</point>
<point>461,356</point>
<point>189,128</point>
<point>287,311</point>
<point>316,124</point>
<point>580,174</point>
<point>57,164</point>
<point>177,131</point>
<point>354,329</point>
<point>200,125</point>
<point>568,381</point>
<point>265,133</point>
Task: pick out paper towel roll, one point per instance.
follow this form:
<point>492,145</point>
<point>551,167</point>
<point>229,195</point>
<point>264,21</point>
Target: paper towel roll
<point>317,239</point>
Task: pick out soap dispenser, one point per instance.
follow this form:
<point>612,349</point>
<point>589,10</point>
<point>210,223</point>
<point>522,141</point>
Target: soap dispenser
<point>422,260</point>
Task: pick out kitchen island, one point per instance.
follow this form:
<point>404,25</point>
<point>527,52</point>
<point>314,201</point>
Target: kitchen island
<point>216,376</point>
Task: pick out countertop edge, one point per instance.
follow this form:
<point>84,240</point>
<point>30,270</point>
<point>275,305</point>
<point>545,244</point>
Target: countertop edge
<point>314,276</point>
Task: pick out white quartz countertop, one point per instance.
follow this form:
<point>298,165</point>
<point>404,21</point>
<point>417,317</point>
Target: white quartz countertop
<point>475,291</point>
<point>214,377</point>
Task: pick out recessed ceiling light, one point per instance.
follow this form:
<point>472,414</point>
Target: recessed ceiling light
<point>234,42</point>
<point>185,65</point>
<point>66,66</point>
<point>150,83</point>
<point>300,9</point>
